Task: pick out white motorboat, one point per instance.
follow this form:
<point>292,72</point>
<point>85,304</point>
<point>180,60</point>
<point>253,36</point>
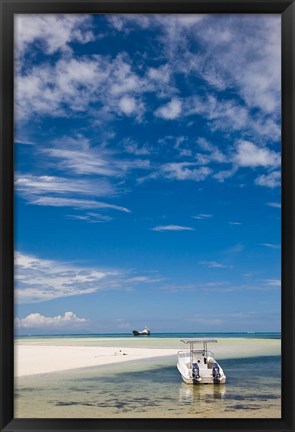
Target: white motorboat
<point>198,366</point>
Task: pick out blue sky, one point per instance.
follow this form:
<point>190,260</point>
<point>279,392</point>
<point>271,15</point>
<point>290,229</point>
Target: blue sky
<point>147,173</point>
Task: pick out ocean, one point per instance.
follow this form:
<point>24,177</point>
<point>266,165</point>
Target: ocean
<point>256,335</point>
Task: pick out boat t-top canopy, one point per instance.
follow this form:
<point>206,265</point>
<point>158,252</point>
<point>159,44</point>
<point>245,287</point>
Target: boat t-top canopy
<point>192,341</point>
<point>195,340</point>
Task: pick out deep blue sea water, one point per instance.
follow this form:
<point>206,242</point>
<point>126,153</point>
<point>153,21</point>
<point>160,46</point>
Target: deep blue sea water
<point>255,335</point>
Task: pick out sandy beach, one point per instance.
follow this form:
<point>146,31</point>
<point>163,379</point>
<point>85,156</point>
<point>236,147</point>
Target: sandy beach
<point>54,355</point>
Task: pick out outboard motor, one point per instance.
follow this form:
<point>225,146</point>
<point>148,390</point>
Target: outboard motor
<point>215,372</point>
<point>196,372</point>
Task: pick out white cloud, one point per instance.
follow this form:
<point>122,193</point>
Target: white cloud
<point>127,105</point>
<point>171,24</point>
<point>31,185</point>
<point>69,85</point>
<point>184,171</point>
<point>46,191</point>
<point>274,204</point>
<point>213,153</point>
<point>235,223</point>
<point>202,216</point>
<point>53,32</point>
<point>143,279</point>
<point>36,320</point>
<point>162,73</point>
<point>273,282</point>
<point>170,111</point>
<point>270,245</point>
<point>133,147</point>
<point>270,180</point>
<point>172,228</point>
<point>76,203</point>
<point>76,155</point>
<point>91,217</point>
<point>212,264</point>
<point>208,47</point>
<point>250,155</point>
<point>99,85</point>
<point>85,161</point>
<point>225,174</point>
<point>216,51</point>
<point>238,62</point>
<point>221,114</point>
<point>38,279</point>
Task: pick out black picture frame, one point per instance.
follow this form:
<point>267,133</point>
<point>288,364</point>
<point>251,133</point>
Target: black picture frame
<point>287,10</point>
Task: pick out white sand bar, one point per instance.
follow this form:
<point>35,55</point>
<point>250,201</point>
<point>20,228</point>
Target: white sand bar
<point>35,358</point>
<point>32,360</point>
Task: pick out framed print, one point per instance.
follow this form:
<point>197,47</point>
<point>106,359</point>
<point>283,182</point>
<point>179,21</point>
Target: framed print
<point>147,211</point>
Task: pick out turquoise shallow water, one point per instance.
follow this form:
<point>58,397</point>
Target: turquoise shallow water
<point>152,388</point>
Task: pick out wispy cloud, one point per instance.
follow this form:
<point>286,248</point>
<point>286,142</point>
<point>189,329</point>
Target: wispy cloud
<point>250,155</point>
<point>270,180</point>
<point>104,87</point>
<point>213,264</point>
<point>30,185</point>
<point>220,48</point>
<point>270,245</point>
<point>46,191</point>
<point>223,175</point>
<point>75,203</point>
<point>274,204</point>
<point>108,87</point>
<point>130,105</point>
<point>24,142</point>
<point>84,160</point>
<point>38,279</point>
<point>273,282</point>
<point>202,216</point>
<point>132,147</point>
<point>235,223</point>
<point>36,320</point>
<point>172,228</point>
<point>52,32</point>
<point>184,171</point>
<point>170,111</point>
<point>212,152</point>
<point>91,217</point>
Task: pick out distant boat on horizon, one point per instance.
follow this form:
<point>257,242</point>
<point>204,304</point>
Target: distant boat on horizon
<point>144,332</point>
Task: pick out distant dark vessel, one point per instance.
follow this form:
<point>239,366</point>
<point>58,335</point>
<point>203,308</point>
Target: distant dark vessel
<point>144,332</point>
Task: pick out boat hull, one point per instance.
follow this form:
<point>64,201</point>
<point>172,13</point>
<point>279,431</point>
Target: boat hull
<point>205,375</point>
<point>202,380</point>
<point>137,333</point>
